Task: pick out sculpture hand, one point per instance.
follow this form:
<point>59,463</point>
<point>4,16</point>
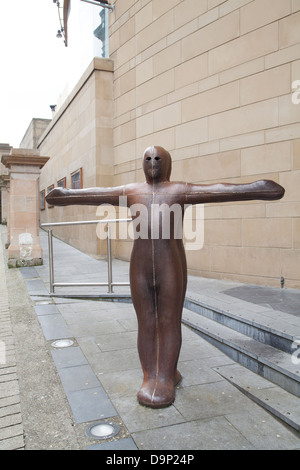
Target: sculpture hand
<point>269,190</point>
<point>58,197</point>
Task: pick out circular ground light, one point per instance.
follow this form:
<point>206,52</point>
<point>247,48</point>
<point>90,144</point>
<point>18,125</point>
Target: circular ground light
<point>102,430</point>
<point>62,343</point>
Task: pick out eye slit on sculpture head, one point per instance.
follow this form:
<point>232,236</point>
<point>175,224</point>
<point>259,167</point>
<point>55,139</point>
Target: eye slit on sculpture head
<point>157,158</point>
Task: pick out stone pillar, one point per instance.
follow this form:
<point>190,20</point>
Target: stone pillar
<point>4,179</point>
<point>24,205</point>
<point>8,212</point>
<point>5,191</point>
<point>4,182</point>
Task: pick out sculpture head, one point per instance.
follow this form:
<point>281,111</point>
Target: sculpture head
<point>157,164</point>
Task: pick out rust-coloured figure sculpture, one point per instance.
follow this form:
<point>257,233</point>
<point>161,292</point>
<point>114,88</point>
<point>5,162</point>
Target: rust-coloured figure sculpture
<point>158,272</point>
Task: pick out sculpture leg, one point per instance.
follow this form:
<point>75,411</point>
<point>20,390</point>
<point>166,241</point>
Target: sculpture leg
<point>159,310</point>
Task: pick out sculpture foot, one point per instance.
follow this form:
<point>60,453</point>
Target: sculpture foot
<point>155,400</point>
<point>157,393</point>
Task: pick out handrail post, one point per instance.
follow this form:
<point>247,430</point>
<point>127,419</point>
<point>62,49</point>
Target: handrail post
<point>109,261</point>
<point>51,262</point>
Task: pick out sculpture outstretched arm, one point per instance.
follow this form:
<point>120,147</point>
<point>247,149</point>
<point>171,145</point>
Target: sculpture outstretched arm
<point>87,197</point>
<point>265,190</point>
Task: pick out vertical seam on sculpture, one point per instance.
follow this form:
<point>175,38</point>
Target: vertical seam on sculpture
<point>155,297</point>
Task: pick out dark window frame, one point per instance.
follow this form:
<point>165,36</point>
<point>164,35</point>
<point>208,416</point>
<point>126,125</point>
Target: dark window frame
<point>42,200</point>
<point>75,185</point>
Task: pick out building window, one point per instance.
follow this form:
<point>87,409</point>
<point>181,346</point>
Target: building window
<point>76,179</point>
<point>48,191</point>
<point>42,200</point>
<point>62,183</point>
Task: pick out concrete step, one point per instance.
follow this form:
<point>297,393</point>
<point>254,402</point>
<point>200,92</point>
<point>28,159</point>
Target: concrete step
<point>277,333</point>
<point>263,359</point>
<point>277,401</point>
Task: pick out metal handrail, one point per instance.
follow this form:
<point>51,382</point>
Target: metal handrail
<point>109,282</point>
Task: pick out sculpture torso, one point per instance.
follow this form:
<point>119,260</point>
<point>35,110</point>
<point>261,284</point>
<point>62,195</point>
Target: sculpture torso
<point>158,256</point>
<point>157,206</point>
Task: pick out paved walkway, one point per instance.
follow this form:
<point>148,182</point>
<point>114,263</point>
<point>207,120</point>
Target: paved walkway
<point>11,428</point>
<point>64,390</point>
